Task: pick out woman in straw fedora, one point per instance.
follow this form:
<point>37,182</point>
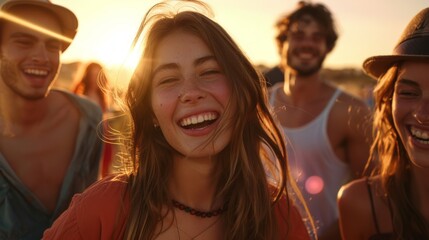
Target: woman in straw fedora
<point>393,202</point>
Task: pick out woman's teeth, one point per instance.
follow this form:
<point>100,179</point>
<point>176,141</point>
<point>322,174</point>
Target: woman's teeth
<point>196,119</point>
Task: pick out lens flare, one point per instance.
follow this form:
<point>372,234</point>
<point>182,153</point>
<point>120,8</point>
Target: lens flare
<point>33,26</point>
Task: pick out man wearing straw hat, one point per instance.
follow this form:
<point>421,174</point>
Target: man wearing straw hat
<point>49,148</point>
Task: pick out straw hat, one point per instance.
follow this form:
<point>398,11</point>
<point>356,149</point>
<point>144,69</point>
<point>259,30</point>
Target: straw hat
<point>67,18</point>
<point>412,45</point>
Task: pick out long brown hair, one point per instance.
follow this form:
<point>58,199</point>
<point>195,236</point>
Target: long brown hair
<point>100,83</point>
<point>389,151</point>
<point>242,165</point>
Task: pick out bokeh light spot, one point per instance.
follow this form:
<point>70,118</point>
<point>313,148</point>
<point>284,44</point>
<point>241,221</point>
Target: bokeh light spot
<point>314,184</point>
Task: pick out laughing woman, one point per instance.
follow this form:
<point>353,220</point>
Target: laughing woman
<point>393,204</point>
<point>201,140</point>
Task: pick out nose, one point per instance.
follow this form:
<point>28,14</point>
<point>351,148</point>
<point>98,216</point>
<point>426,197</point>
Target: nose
<point>421,114</point>
<point>191,91</point>
<point>307,40</point>
<point>40,54</point>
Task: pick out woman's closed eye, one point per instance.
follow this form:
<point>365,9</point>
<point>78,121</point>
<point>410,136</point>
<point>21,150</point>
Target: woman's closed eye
<point>406,88</point>
<point>167,80</point>
<point>209,74</point>
<point>165,77</point>
<point>407,93</point>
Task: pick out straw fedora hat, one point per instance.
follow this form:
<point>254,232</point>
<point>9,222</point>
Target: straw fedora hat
<point>67,18</point>
<point>412,45</point>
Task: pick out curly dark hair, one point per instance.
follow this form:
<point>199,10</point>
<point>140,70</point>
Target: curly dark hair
<point>316,10</point>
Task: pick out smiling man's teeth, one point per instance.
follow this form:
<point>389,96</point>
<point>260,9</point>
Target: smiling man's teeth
<point>197,119</point>
<point>36,72</point>
<point>305,55</point>
<point>422,136</point>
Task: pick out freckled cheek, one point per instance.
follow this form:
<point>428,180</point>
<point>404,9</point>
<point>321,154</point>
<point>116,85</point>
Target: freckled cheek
<point>163,107</point>
<point>158,107</point>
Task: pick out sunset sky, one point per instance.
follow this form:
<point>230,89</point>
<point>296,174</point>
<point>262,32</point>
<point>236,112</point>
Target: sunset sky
<point>366,27</point>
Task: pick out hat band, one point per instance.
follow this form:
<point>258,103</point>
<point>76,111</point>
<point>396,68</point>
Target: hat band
<point>413,46</point>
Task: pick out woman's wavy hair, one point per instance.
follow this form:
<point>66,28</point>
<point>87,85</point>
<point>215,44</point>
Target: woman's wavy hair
<point>393,162</point>
<point>256,146</point>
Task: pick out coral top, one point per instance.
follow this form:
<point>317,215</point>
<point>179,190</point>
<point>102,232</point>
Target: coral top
<point>100,213</point>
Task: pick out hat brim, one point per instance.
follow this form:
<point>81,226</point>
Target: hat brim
<point>376,66</point>
<point>67,18</point>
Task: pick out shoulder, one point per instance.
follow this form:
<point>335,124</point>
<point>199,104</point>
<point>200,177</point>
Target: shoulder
<point>109,185</point>
<point>106,193</point>
<point>99,210</point>
<point>354,194</point>
<point>351,111</point>
<point>354,205</point>
<point>351,103</point>
<point>289,220</point>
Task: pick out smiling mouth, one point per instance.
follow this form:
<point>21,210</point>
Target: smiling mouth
<point>420,135</point>
<point>199,121</point>
<point>306,53</point>
<point>36,72</point>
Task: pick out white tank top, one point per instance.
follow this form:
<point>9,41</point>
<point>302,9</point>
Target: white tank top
<point>318,172</point>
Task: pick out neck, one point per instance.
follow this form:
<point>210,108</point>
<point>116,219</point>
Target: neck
<point>301,89</point>
<point>17,113</point>
<point>296,82</point>
<point>193,183</point>
<point>420,190</point>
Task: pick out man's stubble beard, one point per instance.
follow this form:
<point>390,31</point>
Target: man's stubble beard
<point>303,72</point>
<point>9,75</point>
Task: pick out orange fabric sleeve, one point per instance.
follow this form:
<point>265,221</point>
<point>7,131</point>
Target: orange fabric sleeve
<point>290,224</point>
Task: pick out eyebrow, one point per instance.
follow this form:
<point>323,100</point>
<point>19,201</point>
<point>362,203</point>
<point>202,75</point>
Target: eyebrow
<point>406,82</point>
<point>26,35</point>
<point>197,62</point>
<point>20,34</point>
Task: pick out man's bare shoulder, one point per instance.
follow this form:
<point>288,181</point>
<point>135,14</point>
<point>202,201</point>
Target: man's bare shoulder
<point>351,100</point>
<point>352,106</point>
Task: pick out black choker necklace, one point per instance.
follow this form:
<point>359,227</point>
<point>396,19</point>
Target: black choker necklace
<point>197,213</point>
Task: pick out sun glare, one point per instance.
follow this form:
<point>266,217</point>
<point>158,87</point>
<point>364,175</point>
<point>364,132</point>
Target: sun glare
<point>109,45</point>
<point>33,26</point>
<point>121,73</point>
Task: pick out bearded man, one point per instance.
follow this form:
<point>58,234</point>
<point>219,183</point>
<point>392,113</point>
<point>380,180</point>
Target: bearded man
<point>327,130</point>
